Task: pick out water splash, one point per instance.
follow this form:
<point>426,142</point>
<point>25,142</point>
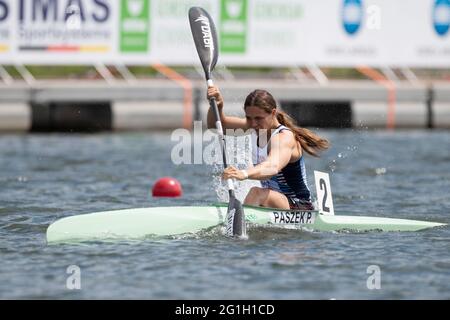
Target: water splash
<point>332,165</point>
<point>239,155</point>
<point>351,151</point>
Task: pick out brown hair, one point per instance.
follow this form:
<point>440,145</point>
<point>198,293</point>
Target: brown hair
<point>309,141</point>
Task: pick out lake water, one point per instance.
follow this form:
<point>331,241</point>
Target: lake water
<point>398,174</point>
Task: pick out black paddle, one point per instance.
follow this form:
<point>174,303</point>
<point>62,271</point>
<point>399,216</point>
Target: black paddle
<point>205,38</point>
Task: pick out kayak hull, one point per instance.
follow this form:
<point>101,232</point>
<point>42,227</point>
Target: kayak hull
<point>168,221</point>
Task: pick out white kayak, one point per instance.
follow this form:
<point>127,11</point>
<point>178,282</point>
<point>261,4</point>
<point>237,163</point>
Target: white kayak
<point>168,221</point>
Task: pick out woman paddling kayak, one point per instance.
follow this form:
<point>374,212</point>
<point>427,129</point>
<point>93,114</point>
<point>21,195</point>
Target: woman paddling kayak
<point>277,152</point>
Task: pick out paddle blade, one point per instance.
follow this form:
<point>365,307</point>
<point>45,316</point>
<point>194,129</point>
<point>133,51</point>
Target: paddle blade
<point>205,38</point>
<point>236,226</point>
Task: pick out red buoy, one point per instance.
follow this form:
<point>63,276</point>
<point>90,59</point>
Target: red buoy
<point>167,187</point>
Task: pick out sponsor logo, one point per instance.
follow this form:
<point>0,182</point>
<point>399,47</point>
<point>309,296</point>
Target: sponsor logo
<point>51,11</point>
<point>352,15</point>
<point>134,26</point>
<point>293,217</point>
<point>206,31</point>
<point>233,26</point>
<point>441,16</point>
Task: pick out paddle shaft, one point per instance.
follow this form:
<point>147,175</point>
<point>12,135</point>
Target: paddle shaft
<point>215,109</point>
<point>235,213</point>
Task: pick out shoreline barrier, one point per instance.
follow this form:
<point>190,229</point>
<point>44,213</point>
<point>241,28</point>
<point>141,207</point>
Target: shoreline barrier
<point>167,104</point>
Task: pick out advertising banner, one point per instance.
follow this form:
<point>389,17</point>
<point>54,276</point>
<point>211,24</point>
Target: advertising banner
<point>398,33</point>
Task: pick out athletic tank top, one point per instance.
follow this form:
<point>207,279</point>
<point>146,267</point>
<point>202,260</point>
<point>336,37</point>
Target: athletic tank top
<point>291,180</point>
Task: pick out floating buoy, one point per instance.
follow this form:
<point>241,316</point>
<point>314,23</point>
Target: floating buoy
<point>167,187</point>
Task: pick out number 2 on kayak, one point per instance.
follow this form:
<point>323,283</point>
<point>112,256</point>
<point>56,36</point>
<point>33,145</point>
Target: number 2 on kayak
<point>323,189</point>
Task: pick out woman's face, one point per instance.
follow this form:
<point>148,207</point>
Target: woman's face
<point>258,118</point>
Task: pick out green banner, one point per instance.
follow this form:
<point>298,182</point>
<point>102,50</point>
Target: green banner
<point>134,26</point>
<point>233,26</point>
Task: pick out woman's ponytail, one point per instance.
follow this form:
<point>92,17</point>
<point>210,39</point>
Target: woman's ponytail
<point>309,141</point>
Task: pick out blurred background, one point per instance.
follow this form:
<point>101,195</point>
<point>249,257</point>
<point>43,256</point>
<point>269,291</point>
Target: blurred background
<point>114,65</point>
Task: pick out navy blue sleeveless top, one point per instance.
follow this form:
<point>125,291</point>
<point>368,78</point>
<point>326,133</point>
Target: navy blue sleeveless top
<point>291,180</point>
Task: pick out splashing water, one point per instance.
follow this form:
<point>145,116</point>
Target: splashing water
<point>380,171</point>
<point>239,155</point>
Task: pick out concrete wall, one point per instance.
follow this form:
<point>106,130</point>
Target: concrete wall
<point>158,104</point>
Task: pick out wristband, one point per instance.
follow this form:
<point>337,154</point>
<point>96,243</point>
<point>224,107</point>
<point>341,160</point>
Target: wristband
<point>245,174</point>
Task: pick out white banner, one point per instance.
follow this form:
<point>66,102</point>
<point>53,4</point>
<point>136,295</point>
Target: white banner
<point>251,32</point>
<point>411,33</point>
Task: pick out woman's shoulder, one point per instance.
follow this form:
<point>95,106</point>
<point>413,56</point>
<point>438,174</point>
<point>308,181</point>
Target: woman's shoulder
<point>286,133</point>
<point>284,136</point>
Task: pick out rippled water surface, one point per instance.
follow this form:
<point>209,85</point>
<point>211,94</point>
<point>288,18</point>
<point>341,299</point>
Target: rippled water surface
<point>403,174</point>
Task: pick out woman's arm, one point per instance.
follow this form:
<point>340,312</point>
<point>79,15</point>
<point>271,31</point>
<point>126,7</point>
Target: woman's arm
<point>227,122</point>
<point>281,146</point>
